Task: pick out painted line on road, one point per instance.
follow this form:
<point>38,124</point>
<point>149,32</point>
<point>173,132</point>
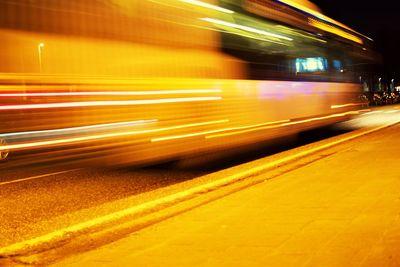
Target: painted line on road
<point>36,177</point>
<point>164,202</point>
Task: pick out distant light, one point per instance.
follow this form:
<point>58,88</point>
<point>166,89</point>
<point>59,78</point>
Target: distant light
<point>41,45</point>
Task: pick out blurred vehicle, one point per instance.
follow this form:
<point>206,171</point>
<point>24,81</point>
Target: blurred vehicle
<point>395,97</point>
<point>131,82</point>
<point>386,99</point>
<point>377,99</point>
<point>364,98</point>
<point>391,98</point>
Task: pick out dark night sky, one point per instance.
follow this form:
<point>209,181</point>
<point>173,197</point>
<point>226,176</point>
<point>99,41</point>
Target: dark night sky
<point>379,20</point>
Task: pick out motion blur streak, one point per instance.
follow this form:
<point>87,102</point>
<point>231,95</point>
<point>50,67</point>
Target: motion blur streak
<point>283,124</point>
<point>213,131</point>
<point>334,30</point>
<point>207,5</point>
<point>113,93</point>
<point>100,136</point>
<point>373,112</point>
<point>246,28</point>
<point>107,103</point>
<point>76,129</point>
<point>319,15</point>
<point>107,81</point>
<point>346,105</point>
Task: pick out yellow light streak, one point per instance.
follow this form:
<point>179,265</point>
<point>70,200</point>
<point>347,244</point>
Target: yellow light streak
<point>246,28</point>
<point>108,93</point>
<point>213,131</point>
<point>373,112</point>
<point>100,136</point>
<point>337,31</point>
<point>37,177</point>
<point>77,129</point>
<point>182,136</point>
<point>207,5</point>
<point>319,15</point>
<point>346,105</point>
<point>107,103</point>
<point>289,123</point>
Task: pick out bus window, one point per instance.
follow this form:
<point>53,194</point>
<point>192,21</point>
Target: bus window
<point>311,64</point>
<point>337,65</point>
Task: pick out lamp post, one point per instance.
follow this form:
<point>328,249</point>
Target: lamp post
<point>40,46</point>
<point>379,84</point>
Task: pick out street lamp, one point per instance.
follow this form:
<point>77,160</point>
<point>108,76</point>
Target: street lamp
<point>379,84</point>
<point>40,46</point>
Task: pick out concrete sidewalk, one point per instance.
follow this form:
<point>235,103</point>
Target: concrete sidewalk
<point>342,210</point>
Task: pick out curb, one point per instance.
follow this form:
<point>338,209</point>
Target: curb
<point>44,242</point>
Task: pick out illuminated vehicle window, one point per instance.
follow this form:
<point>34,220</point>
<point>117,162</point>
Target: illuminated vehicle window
<point>311,64</point>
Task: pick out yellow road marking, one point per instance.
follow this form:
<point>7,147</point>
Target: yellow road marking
<point>36,177</point>
<point>170,200</point>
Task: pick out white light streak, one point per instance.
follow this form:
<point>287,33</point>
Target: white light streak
<point>73,140</point>
<point>107,103</point>
<point>347,105</point>
<point>76,129</point>
<point>112,93</point>
<point>246,28</point>
<point>207,5</point>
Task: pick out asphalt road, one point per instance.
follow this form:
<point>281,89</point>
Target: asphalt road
<point>54,196</point>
